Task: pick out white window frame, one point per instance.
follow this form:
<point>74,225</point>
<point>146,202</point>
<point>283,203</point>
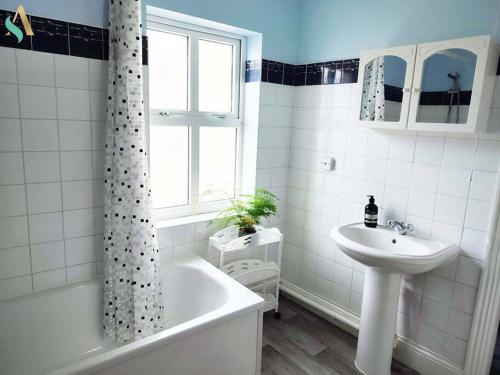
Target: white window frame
<point>194,119</point>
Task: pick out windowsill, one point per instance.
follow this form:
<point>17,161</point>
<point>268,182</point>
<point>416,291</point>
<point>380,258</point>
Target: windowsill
<point>191,219</point>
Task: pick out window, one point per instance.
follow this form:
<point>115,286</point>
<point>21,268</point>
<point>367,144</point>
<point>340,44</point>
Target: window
<point>195,85</point>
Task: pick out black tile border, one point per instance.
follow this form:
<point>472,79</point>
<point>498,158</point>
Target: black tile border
<point>64,38</point>
<point>322,73</point>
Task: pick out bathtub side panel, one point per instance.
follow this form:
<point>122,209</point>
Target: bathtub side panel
<point>226,349</point>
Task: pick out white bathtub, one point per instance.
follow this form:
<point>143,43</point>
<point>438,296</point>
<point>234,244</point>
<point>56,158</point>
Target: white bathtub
<point>213,326</point>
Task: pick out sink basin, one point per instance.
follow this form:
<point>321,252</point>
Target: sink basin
<point>387,256</point>
<point>382,247</point>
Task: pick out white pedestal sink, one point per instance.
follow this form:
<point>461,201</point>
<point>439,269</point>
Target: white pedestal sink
<point>387,256</point>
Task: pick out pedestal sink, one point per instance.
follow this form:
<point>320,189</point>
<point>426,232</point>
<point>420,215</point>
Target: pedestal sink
<point>387,256</point>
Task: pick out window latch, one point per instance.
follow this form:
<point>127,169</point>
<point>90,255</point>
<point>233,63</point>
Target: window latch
<point>170,113</point>
<point>219,115</point>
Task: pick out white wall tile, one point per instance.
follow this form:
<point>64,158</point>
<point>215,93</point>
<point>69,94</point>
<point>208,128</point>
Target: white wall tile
<point>446,232</point>
<point>98,102</point>
<point>73,104</point>
<point>80,250</point>
<point>78,223</point>
<point>14,262</point>
<point>99,135</point>
<point>38,102</point>
<point>431,338</point>
<point>76,165</point>
<point>45,227</point>
<point>71,72</point>
<point>49,279</point>
<point>454,181</point>
<point>421,203</point>
<point>483,185</point>
<point>455,350</point>
<point>9,105</point>
<point>434,314</point>
<point>78,194</point>
<point>375,170</point>
<point>39,135</point>
<point>12,200</point>
<point>377,144</point>
<point>488,156</point>
<point>464,298</point>
<point>402,147</point>
<point>450,209</point>
<point>459,324</point>
<point>8,71</point>
<point>43,197</point>
<point>98,71</point>
<point>478,215</point>
<point>469,271</point>
<point>42,166</point>
<point>13,231</point>
<point>15,287</point>
<point>47,256</point>
<point>395,198</point>
<point>459,152</point>
<point>438,289</point>
<point>10,135</point>
<point>75,135</point>
<point>35,68</point>
<point>399,173</point>
<point>474,243</point>
<point>425,177</point>
<point>81,272</point>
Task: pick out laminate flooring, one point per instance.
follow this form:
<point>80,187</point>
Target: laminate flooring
<point>302,343</point>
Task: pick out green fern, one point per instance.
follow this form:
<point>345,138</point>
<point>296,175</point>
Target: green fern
<point>249,210</point>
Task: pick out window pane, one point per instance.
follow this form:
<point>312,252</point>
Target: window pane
<point>216,76</point>
<point>168,70</point>
<point>169,165</point>
<point>217,163</point>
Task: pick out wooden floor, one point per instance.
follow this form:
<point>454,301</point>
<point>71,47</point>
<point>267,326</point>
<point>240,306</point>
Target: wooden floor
<point>301,343</point>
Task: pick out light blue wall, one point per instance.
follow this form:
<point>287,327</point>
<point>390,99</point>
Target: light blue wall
<point>277,20</point>
<point>337,29</point>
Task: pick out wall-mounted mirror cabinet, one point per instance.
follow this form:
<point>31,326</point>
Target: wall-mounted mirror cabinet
<point>441,86</point>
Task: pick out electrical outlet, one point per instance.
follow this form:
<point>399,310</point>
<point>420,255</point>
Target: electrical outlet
<point>327,164</point>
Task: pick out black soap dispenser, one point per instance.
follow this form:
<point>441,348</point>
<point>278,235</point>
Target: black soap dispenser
<point>371,213</point>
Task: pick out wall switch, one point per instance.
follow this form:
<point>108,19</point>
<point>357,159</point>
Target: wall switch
<point>327,164</point>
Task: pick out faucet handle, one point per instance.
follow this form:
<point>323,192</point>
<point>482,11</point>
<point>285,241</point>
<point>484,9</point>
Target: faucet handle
<point>390,223</point>
<point>410,228</point>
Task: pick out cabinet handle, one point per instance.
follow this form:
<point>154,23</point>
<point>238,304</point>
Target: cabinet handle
<point>416,89</point>
<point>406,89</point>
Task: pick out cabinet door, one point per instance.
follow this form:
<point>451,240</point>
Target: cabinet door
<point>382,94</point>
<point>448,84</point>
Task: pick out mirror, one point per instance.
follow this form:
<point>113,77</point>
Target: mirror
<point>383,85</point>
<point>446,87</point>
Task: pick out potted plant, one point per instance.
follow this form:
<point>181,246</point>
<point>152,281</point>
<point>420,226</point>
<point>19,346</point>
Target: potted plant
<point>249,210</point>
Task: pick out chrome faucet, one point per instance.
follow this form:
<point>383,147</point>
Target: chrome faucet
<point>400,227</point>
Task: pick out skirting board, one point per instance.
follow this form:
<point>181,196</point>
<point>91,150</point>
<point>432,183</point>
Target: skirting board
<point>407,352</point>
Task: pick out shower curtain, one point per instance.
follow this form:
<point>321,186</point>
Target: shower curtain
<point>132,294</point>
<point>373,101</point>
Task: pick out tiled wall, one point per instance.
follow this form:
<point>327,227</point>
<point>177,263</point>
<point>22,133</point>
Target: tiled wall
<point>441,183</point>
<point>52,117</point>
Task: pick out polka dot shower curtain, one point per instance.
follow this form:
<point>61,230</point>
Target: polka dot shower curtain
<point>132,294</point>
<point>373,101</point>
